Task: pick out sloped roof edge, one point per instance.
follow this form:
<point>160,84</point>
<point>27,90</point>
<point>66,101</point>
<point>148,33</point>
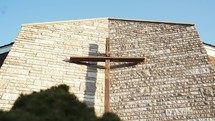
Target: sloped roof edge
<point>5,48</point>
<point>208,44</point>
<point>120,19</point>
<point>7,45</point>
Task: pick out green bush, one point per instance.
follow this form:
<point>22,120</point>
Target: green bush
<point>54,104</point>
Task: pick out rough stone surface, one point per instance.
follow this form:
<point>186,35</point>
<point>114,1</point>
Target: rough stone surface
<point>177,82</point>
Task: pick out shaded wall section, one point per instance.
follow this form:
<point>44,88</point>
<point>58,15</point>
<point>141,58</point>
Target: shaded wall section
<point>2,58</point>
<point>4,50</point>
<point>212,60</point>
<point>176,83</point>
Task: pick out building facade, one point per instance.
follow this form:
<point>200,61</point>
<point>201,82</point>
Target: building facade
<point>177,82</point>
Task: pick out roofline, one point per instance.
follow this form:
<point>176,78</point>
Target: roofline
<point>109,18</point>
<point>152,21</point>
<point>208,44</point>
<point>7,45</point>
<point>53,22</point>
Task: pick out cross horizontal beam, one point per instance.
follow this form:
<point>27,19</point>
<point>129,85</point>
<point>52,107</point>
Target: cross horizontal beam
<point>103,58</point>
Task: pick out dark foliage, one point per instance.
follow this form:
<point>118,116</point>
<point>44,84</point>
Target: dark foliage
<point>54,104</point>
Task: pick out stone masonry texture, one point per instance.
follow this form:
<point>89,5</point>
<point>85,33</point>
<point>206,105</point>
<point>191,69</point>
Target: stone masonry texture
<point>39,60</point>
<point>177,81</point>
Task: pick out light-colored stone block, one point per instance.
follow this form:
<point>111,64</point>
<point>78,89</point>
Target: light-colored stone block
<point>9,96</point>
<point>178,111</point>
<point>197,71</point>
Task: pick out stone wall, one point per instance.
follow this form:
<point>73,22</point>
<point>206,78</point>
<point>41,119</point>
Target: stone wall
<point>176,83</point>
<point>39,60</point>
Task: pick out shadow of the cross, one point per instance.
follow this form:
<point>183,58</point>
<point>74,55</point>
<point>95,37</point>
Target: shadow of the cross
<point>91,78</point>
<point>91,75</point>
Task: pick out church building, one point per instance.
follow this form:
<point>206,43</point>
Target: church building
<point>141,70</point>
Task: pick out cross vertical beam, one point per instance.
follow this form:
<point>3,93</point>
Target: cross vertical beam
<point>107,76</point>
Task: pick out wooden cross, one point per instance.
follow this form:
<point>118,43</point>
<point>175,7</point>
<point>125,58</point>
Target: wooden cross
<point>107,59</point>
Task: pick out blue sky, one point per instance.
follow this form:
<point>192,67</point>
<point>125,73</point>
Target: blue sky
<point>13,13</point>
